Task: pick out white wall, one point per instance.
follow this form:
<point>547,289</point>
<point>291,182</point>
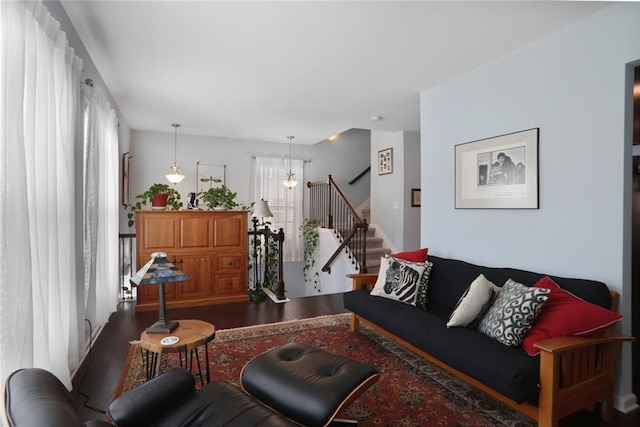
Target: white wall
<point>572,86</point>
<point>344,159</point>
<point>153,155</point>
<point>411,170</point>
<point>391,193</point>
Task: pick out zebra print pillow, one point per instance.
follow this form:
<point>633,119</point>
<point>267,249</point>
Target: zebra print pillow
<point>421,295</point>
<point>398,280</point>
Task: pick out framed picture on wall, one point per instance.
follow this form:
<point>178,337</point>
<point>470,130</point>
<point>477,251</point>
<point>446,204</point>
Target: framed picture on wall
<point>500,172</point>
<point>385,161</point>
<point>209,176</point>
<point>126,167</point>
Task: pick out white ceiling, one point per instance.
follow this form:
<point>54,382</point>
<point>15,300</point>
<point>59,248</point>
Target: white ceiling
<point>264,70</point>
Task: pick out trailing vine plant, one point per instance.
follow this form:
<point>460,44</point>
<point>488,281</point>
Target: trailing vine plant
<point>311,240</point>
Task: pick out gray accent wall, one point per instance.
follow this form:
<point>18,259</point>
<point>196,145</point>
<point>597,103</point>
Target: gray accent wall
<point>573,86</point>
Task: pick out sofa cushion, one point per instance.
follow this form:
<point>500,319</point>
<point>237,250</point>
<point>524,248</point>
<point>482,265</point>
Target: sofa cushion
<point>565,314</point>
<point>419,255</point>
<point>512,314</point>
<point>474,303</point>
<point>450,278</point>
<point>509,370</point>
<point>398,280</point>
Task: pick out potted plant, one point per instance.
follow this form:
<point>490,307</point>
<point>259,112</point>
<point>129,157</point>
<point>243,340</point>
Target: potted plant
<point>220,198</point>
<point>160,196</point>
<point>311,238</point>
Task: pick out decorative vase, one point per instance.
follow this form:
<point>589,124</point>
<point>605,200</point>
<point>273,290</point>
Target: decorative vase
<point>159,201</point>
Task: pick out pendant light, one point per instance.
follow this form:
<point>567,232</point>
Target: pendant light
<point>174,177</point>
<point>290,182</point>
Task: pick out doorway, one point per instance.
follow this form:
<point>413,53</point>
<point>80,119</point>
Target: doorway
<point>635,227</point>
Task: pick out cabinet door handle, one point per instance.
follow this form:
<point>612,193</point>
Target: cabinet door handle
<point>230,285</point>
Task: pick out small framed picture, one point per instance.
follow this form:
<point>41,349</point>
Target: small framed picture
<point>209,176</point>
<point>416,199</point>
<point>126,170</point>
<point>385,161</point>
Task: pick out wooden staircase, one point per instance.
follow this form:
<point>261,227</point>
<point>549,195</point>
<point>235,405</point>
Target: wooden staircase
<point>375,250</point>
<point>328,205</point>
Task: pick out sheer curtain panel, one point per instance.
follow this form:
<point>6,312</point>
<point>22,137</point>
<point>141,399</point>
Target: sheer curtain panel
<point>285,203</point>
<point>100,202</point>
<point>40,322</point>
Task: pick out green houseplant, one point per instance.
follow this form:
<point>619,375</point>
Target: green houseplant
<point>221,198</point>
<point>311,238</point>
<point>173,199</point>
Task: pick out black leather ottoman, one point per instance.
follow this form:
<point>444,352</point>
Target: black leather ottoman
<point>306,384</point>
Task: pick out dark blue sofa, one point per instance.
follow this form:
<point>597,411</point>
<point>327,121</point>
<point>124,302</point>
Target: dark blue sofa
<point>507,373</point>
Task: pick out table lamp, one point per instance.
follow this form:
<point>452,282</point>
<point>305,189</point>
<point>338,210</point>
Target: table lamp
<point>159,271</point>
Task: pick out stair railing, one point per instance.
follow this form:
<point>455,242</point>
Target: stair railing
<point>328,205</point>
<point>266,258</point>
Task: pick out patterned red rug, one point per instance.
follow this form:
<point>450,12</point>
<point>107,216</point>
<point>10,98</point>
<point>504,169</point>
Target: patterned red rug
<point>410,391</point>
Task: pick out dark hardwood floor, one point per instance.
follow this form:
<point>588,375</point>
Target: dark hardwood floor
<point>98,376</point>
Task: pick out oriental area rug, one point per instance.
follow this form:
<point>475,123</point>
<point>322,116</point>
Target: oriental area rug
<point>409,392</point>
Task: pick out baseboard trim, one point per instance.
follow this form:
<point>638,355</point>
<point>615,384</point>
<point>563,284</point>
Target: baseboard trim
<point>273,296</point>
<point>625,403</point>
<point>87,349</point>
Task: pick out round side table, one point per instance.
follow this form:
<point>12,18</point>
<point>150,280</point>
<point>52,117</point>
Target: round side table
<point>191,334</point>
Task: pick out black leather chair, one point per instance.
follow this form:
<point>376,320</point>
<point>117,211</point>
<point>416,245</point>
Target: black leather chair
<point>290,383</point>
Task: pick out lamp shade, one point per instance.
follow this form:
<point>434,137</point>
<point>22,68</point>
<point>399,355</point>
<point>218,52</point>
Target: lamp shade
<point>174,177</point>
<point>290,182</point>
<point>261,210</point>
<point>158,270</point>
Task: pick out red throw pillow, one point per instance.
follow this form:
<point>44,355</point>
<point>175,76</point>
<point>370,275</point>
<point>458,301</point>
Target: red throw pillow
<point>412,256</point>
<point>565,314</point>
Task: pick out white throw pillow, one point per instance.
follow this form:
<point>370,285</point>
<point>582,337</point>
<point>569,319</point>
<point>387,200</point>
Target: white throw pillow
<point>398,280</point>
<point>474,303</point>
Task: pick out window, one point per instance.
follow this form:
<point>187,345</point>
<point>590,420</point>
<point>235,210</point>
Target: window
<point>285,203</point>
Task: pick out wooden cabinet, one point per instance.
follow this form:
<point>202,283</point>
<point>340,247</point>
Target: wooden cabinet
<point>210,247</point>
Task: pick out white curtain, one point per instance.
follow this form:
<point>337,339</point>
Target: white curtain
<point>40,322</point>
<point>100,203</point>
<point>285,203</point>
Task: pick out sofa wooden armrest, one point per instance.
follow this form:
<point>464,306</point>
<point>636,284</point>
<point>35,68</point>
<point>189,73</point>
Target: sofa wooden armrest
<point>363,280</point>
<point>575,372</point>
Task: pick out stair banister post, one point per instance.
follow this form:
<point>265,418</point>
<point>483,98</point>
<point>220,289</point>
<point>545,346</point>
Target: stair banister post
<point>280,294</point>
<point>329,204</point>
<point>363,263</point>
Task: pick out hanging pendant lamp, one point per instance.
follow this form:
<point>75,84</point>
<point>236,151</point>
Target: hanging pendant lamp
<point>290,182</point>
<point>174,177</point>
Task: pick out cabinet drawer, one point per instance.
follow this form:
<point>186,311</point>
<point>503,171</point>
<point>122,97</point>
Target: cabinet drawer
<point>227,263</point>
<point>229,284</point>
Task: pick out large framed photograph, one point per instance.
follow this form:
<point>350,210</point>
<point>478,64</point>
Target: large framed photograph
<point>499,172</point>
<point>209,176</point>
<point>385,161</point>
